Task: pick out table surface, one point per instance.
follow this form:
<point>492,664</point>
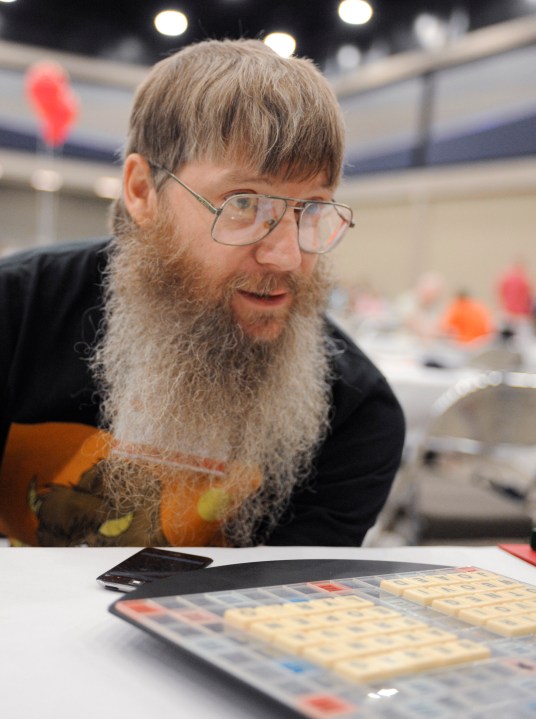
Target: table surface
<point>64,655</point>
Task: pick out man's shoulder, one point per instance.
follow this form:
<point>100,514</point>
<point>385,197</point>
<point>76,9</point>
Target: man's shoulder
<point>64,255</point>
<point>46,282</point>
<point>356,381</point>
<point>350,364</point>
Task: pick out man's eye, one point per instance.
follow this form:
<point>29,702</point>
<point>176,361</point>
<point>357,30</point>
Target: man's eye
<point>244,202</point>
<point>313,209</point>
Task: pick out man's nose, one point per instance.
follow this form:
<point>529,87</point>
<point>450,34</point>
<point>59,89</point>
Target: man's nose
<point>280,249</point>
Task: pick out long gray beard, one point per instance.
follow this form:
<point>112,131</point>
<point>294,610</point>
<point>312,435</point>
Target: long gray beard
<point>179,374</point>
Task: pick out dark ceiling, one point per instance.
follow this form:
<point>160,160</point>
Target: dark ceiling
<point>123,30</point>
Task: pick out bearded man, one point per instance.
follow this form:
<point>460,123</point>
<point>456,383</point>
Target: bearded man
<point>179,383</point>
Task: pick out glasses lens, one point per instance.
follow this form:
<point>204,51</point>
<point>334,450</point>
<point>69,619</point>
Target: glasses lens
<point>322,226</point>
<point>244,219</point>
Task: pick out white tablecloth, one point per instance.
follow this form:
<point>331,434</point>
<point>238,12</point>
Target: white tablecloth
<point>64,656</point>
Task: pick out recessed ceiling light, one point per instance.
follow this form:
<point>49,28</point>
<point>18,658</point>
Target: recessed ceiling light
<point>171,22</point>
<point>107,187</point>
<point>281,42</point>
<point>46,180</point>
<point>355,12</point>
<point>348,57</point>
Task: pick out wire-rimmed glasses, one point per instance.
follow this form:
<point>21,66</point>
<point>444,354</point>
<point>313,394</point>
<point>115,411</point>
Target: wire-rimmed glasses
<point>244,219</point>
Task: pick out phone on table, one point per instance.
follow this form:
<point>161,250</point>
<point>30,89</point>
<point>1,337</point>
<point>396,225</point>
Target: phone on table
<point>148,565</point>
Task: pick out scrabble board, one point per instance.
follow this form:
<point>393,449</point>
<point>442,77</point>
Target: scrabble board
<point>436,643</point>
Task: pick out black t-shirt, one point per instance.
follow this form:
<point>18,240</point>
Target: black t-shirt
<point>51,311</point>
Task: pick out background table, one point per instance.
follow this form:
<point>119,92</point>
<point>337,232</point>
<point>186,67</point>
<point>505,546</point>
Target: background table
<point>65,656</point>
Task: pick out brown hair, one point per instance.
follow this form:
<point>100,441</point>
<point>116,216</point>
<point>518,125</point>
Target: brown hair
<point>238,99</point>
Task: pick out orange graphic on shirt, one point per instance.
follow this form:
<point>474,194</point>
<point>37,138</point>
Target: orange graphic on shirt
<point>36,456</point>
<point>51,491</point>
<point>197,493</point>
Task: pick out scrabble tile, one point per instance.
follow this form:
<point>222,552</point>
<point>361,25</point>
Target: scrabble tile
<point>242,617</point>
<point>514,626</point>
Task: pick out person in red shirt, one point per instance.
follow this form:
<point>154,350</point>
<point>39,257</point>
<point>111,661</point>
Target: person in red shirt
<point>515,291</point>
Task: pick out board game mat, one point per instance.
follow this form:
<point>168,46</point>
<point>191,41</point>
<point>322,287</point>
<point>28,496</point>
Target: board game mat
<point>354,639</point>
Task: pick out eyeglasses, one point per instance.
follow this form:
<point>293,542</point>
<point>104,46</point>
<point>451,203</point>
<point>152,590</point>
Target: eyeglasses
<point>244,219</point>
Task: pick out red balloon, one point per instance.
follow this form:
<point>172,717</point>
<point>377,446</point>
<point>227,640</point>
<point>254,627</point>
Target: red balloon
<point>48,90</point>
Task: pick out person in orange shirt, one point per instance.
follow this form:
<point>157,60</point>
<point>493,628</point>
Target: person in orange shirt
<point>466,319</point>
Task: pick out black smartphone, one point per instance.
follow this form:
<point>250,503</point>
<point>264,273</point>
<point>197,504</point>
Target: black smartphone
<point>148,565</point>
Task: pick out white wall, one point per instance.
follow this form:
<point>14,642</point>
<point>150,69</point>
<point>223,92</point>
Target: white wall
<point>78,217</point>
<point>468,223</point>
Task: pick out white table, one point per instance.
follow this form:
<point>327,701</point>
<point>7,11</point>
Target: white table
<point>64,656</point>
<point>402,358</point>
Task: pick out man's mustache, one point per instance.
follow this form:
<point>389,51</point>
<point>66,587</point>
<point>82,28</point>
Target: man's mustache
<point>266,284</point>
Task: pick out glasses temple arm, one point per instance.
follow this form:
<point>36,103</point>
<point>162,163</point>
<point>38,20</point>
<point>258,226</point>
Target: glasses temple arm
<point>199,198</point>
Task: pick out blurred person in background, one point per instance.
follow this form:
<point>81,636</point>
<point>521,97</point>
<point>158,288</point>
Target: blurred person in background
<point>466,319</point>
<point>516,293</point>
<point>179,384</point>
<point>420,309</point>
<point>516,300</point>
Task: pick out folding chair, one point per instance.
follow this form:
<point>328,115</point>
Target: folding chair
<point>473,477</point>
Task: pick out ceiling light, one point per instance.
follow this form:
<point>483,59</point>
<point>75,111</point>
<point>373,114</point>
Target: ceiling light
<point>281,42</point>
<point>458,23</point>
<point>171,22</point>
<point>6,1</point>
<point>355,12</point>
<point>107,187</point>
<point>126,49</point>
<point>376,52</point>
<point>46,180</point>
<point>348,57</point>
<point>431,32</point>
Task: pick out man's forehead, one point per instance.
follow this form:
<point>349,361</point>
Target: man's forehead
<point>239,173</point>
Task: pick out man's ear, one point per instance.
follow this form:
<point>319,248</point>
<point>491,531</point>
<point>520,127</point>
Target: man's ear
<point>139,193</point>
